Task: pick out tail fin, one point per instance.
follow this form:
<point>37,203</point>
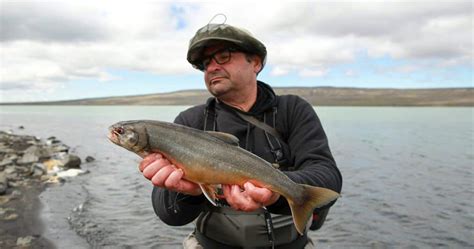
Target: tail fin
<point>313,197</point>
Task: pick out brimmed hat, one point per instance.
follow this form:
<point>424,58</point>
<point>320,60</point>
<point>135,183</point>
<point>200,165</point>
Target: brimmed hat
<point>242,39</point>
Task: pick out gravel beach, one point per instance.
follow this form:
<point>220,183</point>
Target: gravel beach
<point>28,165</point>
<point>20,225</point>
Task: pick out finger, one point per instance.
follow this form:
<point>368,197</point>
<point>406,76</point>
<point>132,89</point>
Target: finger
<point>154,167</point>
<point>188,187</point>
<point>172,182</point>
<point>242,201</point>
<point>226,191</point>
<point>230,194</point>
<point>159,178</point>
<point>151,170</point>
<point>260,195</point>
<point>148,160</point>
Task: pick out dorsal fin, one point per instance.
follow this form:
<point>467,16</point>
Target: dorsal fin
<point>225,137</point>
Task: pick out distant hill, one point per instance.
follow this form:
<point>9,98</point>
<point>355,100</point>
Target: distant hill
<point>318,96</point>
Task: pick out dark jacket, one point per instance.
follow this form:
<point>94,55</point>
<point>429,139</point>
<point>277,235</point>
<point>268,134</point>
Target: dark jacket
<point>308,157</point>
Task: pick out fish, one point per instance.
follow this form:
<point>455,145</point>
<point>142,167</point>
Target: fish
<point>211,158</point>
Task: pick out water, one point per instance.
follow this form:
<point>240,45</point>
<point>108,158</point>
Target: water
<point>408,178</point>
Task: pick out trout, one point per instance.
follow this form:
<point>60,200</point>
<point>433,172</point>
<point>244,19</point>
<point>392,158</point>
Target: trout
<point>212,158</point>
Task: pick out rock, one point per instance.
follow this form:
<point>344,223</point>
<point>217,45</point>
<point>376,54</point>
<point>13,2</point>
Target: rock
<point>45,153</point>
<point>25,241</point>
<point>25,159</point>
<point>14,184</point>
<point>71,173</point>
<point>29,156</point>
<point>59,148</point>
<point>53,165</point>
<point>3,183</point>
<point>8,159</point>
<point>38,169</point>
<point>72,162</point>
<point>20,143</point>
<point>10,170</point>
<point>3,200</point>
<point>90,159</point>
<point>51,139</point>
<point>21,127</point>
<point>11,217</point>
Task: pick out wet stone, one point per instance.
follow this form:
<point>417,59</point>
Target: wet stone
<point>90,159</point>
<point>10,159</point>
<point>72,162</point>
<point>26,161</point>
<point>25,241</point>
<point>11,217</point>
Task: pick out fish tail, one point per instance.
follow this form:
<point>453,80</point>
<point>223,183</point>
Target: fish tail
<point>313,197</point>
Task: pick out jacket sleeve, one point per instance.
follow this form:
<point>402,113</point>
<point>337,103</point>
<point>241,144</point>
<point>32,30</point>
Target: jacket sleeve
<point>174,208</point>
<point>313,162</point>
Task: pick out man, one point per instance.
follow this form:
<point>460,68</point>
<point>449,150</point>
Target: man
<point>283,130</point>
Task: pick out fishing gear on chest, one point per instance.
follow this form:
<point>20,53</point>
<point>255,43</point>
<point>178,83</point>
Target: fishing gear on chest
<point>272,136</point>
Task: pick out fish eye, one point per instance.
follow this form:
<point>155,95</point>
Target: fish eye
<point>119,130</point>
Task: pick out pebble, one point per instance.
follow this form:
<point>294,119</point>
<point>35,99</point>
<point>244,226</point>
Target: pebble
<point>90,159</point>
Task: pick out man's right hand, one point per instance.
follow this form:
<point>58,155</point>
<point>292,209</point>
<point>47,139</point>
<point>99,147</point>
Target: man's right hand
<point>162,173</point>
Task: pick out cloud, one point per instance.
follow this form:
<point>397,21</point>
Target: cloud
<point>50,21</point>
<point>45,44</point>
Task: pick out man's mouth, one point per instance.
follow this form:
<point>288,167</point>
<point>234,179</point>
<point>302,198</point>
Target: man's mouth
<point>216,79</point>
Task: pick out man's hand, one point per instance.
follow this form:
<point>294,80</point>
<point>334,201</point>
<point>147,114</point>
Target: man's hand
<point>163,174</point>
<point>250,199</point>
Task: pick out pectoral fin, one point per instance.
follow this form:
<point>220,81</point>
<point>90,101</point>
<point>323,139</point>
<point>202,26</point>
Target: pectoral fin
<point>210,192</point>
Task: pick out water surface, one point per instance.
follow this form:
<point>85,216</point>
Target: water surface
<point>408,178</point>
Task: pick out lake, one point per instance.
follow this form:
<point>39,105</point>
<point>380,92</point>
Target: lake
<point>408,178</point>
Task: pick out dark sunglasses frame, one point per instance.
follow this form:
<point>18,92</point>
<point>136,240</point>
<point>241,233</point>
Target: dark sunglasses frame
<point>202,63</point>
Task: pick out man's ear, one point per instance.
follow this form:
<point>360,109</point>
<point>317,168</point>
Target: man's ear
<point>257,63</point>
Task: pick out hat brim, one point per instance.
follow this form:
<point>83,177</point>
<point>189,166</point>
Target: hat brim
<point>198,45</point>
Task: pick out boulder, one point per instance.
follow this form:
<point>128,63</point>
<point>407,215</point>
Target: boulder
<point>72,162</point>
<point>29,156</point>
<point>38,169</point>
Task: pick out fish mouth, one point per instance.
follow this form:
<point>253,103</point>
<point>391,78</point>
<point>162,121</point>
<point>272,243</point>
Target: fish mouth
<point>113,135</point>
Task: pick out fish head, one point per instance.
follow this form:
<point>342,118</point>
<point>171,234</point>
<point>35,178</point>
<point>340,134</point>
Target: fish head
<point>129,135</point>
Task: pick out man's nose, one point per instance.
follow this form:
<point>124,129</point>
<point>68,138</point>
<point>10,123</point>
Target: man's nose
<point>212,66</point>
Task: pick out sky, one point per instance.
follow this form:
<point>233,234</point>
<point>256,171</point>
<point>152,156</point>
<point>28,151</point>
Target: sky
<point>58,50</point>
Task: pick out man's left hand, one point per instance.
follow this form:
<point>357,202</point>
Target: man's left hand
<point>250,199</point>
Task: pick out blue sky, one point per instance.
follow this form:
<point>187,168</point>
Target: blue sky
<point>67,50</point>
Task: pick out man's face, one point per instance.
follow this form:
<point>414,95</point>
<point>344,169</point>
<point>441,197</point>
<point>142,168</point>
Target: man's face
<point>228,74</point>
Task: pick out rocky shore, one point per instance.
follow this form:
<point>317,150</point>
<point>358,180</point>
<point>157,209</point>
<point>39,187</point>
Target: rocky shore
<point>28,165</point>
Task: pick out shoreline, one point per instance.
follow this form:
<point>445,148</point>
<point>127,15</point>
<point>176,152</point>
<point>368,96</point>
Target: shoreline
<point>316,96</point>
<point>22,225</point>
<point>29,166</point>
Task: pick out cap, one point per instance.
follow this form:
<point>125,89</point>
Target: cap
<point>242,39</point>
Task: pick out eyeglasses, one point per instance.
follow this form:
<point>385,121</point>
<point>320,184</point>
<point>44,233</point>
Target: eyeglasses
<point>220,56</point>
